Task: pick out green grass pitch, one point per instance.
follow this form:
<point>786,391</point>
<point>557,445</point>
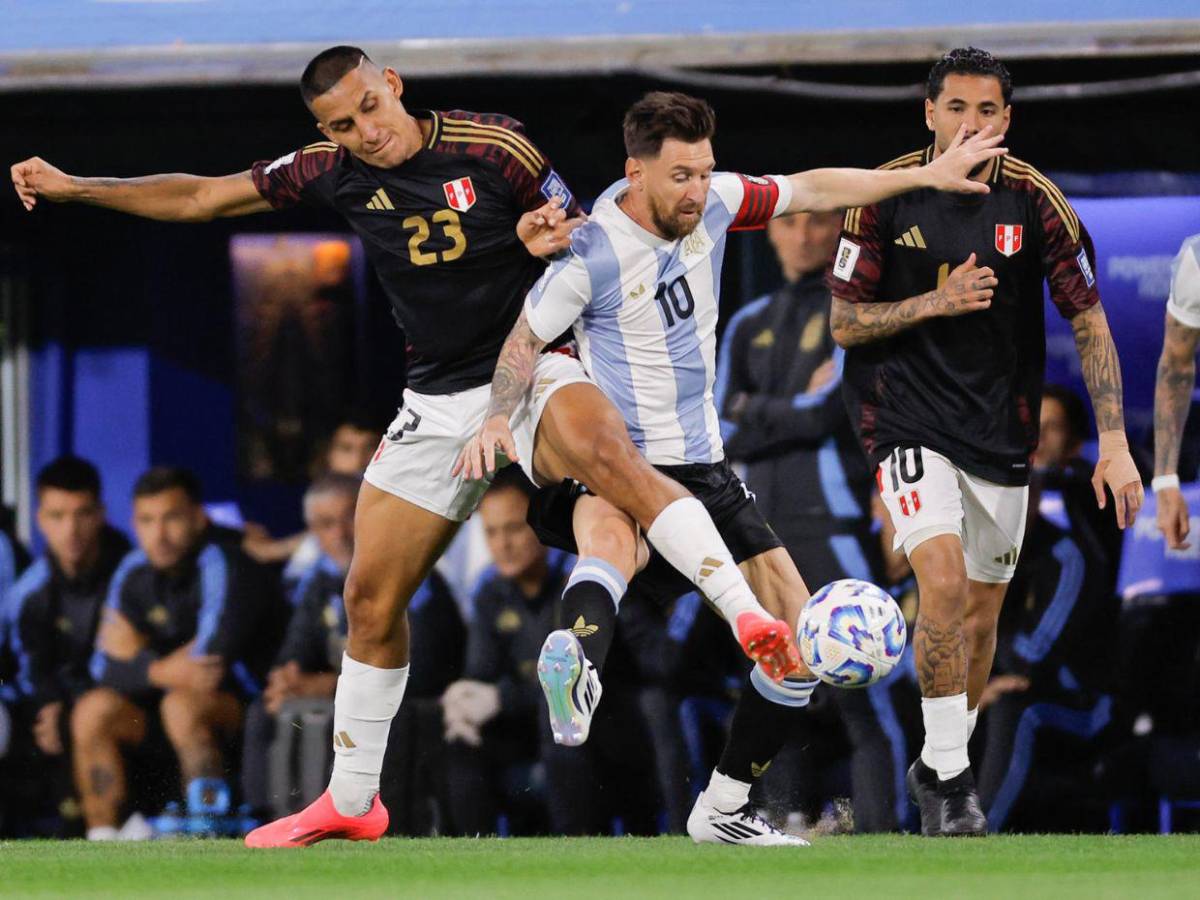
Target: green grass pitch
<point>853,868</point>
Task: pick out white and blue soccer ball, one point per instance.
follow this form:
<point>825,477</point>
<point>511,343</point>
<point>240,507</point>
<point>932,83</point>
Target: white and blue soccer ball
<point>851,633</point>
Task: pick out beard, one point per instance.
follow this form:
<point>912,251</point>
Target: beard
<point>671,223</point>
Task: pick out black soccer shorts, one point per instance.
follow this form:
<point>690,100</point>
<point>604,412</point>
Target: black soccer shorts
<point>728,501</point>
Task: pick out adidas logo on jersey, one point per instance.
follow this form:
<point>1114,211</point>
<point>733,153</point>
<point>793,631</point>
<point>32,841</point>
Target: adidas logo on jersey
<point>380,201</point>
<point>1007,559</point>
<point>341,739</point>
<point>911,238</point>
<point>637,292</point>
<point>583,629</point>
<point>709,565</point>
<point>759,770</point>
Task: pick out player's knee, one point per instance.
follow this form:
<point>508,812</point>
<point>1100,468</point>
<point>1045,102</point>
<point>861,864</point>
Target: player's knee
<point>615,541</point>
<point>182,715</point>
<point>370,614</point>
<point>944,590</point>
<point>979,630</point>
<point>94,714</point>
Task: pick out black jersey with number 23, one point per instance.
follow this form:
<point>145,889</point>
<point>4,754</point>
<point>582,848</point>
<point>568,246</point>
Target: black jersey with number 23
<point>440,230</point>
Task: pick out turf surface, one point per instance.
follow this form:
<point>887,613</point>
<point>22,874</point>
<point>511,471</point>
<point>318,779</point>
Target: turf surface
<point>856,868</point>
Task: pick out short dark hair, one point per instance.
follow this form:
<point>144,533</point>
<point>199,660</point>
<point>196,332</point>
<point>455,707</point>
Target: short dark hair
<point>661,115</point>
<point>327,68</point>
<point>165,478</point>
<point>512,478</point>
<point>968,61</point>
<point>69,473</point>
<point>1073,408</point>
<point>359,420</point>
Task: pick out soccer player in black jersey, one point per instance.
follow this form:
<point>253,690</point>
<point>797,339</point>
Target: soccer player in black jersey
<point>452,209</point>
<point>938,302</point>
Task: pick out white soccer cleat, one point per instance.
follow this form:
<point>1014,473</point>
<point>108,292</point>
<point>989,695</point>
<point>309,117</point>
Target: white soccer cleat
<point>571,685</point>
<point>708,825</point>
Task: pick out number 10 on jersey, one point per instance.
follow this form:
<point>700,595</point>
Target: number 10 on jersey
<point>675,299</point>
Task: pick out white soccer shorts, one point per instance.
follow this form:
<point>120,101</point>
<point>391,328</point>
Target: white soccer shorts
<point>927,495</point>
<point>423,442</point>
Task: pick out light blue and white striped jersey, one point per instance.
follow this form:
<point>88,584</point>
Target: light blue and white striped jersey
<point>644,312</point>
<point>1184,301</point>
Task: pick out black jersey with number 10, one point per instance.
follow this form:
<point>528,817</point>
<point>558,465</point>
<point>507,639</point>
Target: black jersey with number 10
<point>440,230</point>
<point>970,386</point>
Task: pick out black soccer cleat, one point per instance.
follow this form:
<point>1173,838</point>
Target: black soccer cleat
<point>961,815</point>
<point>922,783</point>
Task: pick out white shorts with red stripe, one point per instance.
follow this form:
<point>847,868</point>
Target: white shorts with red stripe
<point>927,495</point>
<point>423,442</point>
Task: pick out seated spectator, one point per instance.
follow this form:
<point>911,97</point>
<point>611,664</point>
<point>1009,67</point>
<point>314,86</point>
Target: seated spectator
<point>1049,703</point>
<point>495,717</point>
<point>53,612</point>
<point>288,748</point>
<point>350,447</point>
<point>188,631</point>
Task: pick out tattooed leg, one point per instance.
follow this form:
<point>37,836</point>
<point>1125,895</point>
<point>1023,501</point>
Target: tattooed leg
<point>939,644</point>
<point>101,723</point>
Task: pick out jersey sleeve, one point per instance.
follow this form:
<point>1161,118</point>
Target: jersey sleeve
<point>230,602</point>
<point>298,177</point>
<point>559,296</point>
<point>751,200</point>
<point>857,265</point>
<point>34,644</point>
<point>1184,301</point>
<point>1068,257</point>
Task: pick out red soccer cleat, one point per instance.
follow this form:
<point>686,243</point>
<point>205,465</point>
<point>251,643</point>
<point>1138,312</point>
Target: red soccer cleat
<point>320,821</point>
<point>769,643</point>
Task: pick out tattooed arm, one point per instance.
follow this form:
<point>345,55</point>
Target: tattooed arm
<point>1172,396</point>
<point>968,289</point>
<point>514,375</point>
<point>1101,368</point>
<point>1102,374</point>
<point>1173,392</point>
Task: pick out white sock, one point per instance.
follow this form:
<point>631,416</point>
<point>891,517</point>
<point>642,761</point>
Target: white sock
<point>687,538</point>
<point>945,747</point>
<point>102,833</point>
<point>726,794</point>
<point>363,708</point>
<point>972,718</point>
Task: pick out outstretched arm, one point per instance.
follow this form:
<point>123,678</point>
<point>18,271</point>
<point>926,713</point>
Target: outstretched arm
<point>829,189</point>
<point>171,198</point>
<point>1172,396</point>
<point>968,289</point>
<point>1102,374</point>
<point>513,377</point>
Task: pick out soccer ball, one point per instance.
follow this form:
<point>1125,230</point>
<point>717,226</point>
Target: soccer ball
<point>851,633</point>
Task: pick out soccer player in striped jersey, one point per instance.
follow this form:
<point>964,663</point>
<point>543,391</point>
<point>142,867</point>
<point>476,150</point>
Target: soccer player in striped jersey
<point>938,303</point>
<point>640,287</point>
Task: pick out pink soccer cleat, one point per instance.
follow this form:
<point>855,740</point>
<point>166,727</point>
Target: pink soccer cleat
<point>769,643</point>
<point>320,821</point>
